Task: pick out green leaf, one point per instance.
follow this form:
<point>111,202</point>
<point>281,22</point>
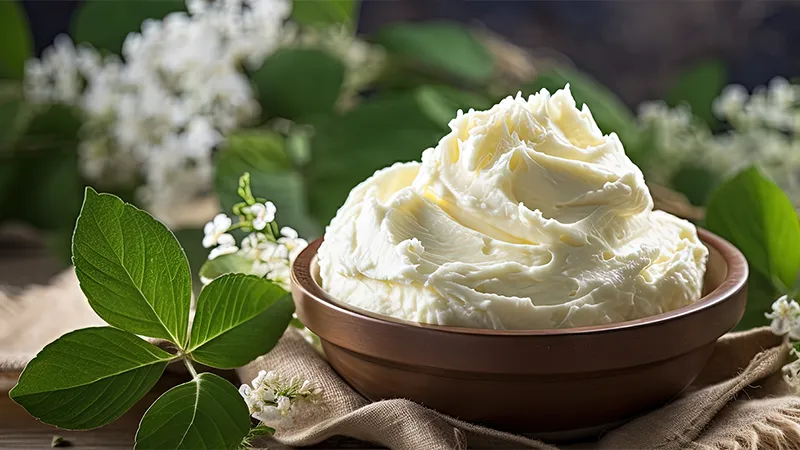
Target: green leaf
<point>88,378</point>
<point>207,413</point>
<point>438,46</point>
<point>105,24</point>
<point>224,264</point>
<point>378,132</point>
<point>271,176</point>
<point>299,84</point>
<point>755,215</point>
<point>610,113</point>
<point>191,240</point>
<point>239,318</point>
<point>696,182</point>
<point>698,87</point>
<point>16,44</point>
<point>131,268</point>
<point>324,13</point>
<point>441,103</point>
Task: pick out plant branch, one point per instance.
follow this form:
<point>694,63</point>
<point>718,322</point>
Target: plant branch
<point>189,366</point>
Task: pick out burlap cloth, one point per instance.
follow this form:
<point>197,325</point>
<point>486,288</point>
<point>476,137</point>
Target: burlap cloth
<point>739,401</point>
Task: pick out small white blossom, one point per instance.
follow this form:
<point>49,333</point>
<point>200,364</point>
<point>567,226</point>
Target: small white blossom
<point>216,232</point>
<point>222,250</point>
<point>264,214</point>
<point>294,244</point>
<point>272,398</point>
<point>785,316</point>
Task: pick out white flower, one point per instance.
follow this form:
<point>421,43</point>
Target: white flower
<point>272,398</point>
<point>216,232</point>
<point>785,316</point>
<point>294,245</point>
<point>222,250</point>
<point>264,214</point>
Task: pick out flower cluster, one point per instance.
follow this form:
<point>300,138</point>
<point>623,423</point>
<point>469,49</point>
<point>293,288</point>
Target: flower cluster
<point>158,114</point>
<point>785,317</point>
<point>270,250</point>
<point>272,398</point>
<point>764,130</point>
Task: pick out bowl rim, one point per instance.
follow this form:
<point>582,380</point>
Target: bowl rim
<point>735,280</point>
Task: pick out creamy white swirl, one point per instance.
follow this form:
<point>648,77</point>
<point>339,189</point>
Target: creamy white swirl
<point>524,216</point>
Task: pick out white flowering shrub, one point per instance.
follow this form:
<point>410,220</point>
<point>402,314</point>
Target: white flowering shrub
<point>153,114</point>
<point>785,321</point>
<point>763,130</point>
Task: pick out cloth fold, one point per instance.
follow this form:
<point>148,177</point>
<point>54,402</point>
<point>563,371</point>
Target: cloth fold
<point>739,401</point>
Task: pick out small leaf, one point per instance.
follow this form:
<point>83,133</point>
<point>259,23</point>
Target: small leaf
<point>88,378</point>
<point>105,24</point>
<point>440,46</point>
<point>299,84</point>
<point>610,113</point>
<point>207,413</point>
<point>271,176</point>
<point>16,44</point>
<point>224,264</point>
<point>698,87</point>
<point>239,318</point>
<point>131,268</point>
<point>324,13</point>
<point>755,215</point>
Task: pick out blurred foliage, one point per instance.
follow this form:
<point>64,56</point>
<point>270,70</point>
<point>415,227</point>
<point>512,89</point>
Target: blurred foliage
<point>298,84</point>
<point>329,12</point>
<point>440,49</point>
<point>105,24</point>
<point>697,87</point>
<point>15,40</point>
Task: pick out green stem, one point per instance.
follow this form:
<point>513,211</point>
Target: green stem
<point>189,366</point>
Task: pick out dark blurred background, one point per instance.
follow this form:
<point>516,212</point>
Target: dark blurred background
<point>634,47</point>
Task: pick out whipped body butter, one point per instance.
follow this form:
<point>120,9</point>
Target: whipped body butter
<point>523,217</point>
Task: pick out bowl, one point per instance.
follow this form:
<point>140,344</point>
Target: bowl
<point>559,383</point>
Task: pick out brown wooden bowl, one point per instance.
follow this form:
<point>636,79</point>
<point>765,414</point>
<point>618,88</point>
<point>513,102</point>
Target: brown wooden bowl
<point>575,380</point>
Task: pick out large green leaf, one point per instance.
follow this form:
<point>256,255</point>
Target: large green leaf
<point>105,24</point>
<point>221,265</point>
<point>299,84</point>
<point>755,215</point>
<point>324,13</point>
<point>438,46</point>
<point>206,413</point>
<point>239,318</point>
<point>271,176</point>
<point>15,40</point>
<point>379,132</point>
<point>698,87</point>
<point>610,113</point>
<point>131,268</point>
<point>88,378</point>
